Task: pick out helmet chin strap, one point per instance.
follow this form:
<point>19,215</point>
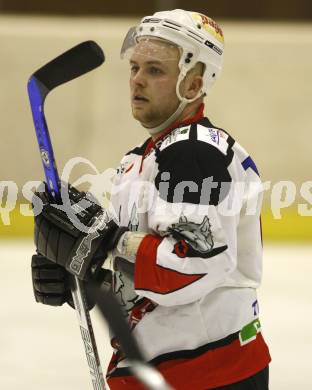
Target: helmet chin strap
<point>170,120</point>
<point>183,103</point>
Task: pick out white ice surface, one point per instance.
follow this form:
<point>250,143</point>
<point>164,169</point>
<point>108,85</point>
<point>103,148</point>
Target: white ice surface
<point>41,347</point>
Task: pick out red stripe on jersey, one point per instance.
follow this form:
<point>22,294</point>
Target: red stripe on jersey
<point>152,277</point>
<point>214,368</point>
<point>127,170</point>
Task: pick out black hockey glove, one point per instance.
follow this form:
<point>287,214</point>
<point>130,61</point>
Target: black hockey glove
<point>77,234</point>
<point>52,283</point>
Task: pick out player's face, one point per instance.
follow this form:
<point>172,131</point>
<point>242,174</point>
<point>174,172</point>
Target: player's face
<point>153,78</point>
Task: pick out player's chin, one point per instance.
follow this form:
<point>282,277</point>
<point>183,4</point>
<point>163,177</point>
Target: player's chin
<point>138,112</point>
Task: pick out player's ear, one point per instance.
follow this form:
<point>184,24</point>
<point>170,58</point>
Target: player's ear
<point>193,86</point>
<point>193,81</point>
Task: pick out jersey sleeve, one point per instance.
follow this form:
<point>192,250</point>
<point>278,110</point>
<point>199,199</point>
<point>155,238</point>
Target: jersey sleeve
<point>193,246</point>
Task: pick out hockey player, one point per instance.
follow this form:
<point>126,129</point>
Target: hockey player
<point>182,236</point>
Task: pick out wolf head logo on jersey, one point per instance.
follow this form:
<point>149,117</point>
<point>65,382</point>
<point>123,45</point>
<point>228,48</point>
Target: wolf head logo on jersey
<point>194,235</point>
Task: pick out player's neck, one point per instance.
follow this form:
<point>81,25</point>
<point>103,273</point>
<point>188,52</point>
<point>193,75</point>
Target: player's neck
<point>191,111</point>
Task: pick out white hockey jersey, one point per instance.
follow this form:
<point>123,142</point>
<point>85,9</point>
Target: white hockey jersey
<point>192,300</point>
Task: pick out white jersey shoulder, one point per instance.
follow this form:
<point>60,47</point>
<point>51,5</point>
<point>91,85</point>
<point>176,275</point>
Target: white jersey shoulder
<point>214,137</point>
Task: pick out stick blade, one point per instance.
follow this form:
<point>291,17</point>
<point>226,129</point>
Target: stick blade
<point>73,63</point>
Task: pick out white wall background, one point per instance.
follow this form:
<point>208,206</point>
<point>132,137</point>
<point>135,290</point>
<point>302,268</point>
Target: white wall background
<point>263,97</point>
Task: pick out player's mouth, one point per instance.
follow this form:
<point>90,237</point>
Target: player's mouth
<point>139,99</point>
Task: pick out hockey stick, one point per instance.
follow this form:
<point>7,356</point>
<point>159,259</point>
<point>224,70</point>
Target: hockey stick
<point>69,65</point>
<point>111,312</point>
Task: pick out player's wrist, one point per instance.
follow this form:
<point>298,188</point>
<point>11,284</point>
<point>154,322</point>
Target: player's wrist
<point>128,244</point>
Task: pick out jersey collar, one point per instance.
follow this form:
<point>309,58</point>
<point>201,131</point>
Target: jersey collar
<point>151,144</point>
<point>195,118</point>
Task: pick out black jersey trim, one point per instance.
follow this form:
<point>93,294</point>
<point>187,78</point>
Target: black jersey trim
<point>183,354</point>
<point>193,132</point>
<point>139,150</point>
<point>189,354</point>
<point>190,164</point>
<point>193,253</point>
<point>230,140</point>
<point>205,122</point>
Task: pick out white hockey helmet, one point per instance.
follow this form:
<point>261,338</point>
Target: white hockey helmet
<point>198,37</point>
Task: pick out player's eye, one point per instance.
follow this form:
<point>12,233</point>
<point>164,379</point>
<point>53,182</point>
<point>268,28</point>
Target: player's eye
<point>134,69</point>
<point>153,70</point>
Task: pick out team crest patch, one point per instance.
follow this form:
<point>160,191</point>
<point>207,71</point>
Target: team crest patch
<point>192,236</point>
<point>194,239</point>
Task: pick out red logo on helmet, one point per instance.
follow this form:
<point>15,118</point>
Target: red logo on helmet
<point>212,23</point>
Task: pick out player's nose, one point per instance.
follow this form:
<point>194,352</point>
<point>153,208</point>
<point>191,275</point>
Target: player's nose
<point>139,78</point>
